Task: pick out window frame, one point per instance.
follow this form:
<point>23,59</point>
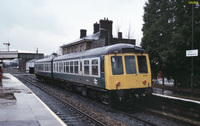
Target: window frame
<point>122,65</point>
<point>80,64</point>
<point>86,65</point>
<point>147,71</point>
<point>94,65</point>
<point>90,66</point>
<point>134,62</point>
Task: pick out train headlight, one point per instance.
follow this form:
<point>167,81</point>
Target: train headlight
<point>117,83</point>
<point>144,81</point>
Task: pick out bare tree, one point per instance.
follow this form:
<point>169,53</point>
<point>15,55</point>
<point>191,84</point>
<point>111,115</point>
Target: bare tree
<point>118,26</point>
<point>130,33</point>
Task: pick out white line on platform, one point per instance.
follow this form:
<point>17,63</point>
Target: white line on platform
<point>177,98</point>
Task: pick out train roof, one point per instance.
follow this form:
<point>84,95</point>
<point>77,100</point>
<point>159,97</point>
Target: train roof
<point>45,60</point>
<point>119,48</point>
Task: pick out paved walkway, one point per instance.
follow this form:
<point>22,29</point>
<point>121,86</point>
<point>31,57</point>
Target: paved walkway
<point>19,106</point>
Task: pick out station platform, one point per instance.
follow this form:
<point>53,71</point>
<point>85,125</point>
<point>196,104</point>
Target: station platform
<point>19,106</point>
<point>179,94</point>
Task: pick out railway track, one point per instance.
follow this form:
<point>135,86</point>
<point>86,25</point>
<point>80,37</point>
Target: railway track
<point>61,99</point>
<point>181,111</point>
<point>144,116</point>
<point>32,80</point>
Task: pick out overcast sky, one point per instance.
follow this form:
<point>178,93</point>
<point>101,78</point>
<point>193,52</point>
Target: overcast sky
<point>48,24</point>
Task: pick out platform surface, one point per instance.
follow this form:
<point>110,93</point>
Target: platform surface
<point>176,95</point>
<point>19,106</point>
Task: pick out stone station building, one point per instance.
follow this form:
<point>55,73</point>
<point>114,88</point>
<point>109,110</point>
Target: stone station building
<point>102,36</point>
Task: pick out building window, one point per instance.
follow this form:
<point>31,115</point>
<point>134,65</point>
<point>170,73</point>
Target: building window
<point>68,50</point>
<point>81,48</point>
<point>76,50</point>
<point>71,49</point>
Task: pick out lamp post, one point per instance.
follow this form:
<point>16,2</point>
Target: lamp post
<point>192,86</point>
<point>196,3</point>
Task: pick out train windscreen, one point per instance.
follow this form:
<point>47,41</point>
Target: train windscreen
<point>117,66</point>
<point>130,64</point>
<point>142,64</point>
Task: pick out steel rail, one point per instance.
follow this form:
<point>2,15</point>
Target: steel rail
<point>97,122</point>
<point>62,101</point>
<point>171,116</point>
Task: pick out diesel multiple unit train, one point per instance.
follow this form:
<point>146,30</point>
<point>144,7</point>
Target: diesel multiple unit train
<point>117,72</point>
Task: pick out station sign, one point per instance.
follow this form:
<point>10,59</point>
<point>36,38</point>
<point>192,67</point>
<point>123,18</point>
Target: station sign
<point>191,53</point>
<point>193,2</point>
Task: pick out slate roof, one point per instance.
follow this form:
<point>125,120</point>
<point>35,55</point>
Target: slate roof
<point>86,38</point>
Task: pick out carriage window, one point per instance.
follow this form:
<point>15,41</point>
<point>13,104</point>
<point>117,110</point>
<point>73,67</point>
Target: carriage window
<point>86,67</point>
<point>49,65</point>
<point>64,67</point>
<point>76,67</point>
<point>54,66</point>
<point>80,65</point>
<point>57,67</point>
<point>142,64</point>
<point>130,64</point>
<point>95,67</point>
<point>117,66</point>
<point>71,67</point>
<point>40,67</point>
<point>60,67</point>
<point>67,67</point>
<point>45,67</point>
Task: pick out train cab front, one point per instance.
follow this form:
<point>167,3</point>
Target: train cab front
<point>128,75</point>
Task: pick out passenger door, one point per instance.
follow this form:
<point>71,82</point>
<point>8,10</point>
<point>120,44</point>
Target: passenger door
<point>144,72</point>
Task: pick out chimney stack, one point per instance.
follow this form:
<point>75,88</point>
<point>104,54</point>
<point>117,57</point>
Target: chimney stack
<point>119,35</point>
<point>83,33</point>
<point>96,27</point>
<point>106,25</point>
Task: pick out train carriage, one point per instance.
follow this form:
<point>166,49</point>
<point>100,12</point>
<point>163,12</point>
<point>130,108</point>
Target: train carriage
<point>43,68</point>
<point>120,70</point>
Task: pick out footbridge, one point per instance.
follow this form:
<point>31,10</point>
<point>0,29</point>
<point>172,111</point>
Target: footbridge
<point>22,57</point>
<point>9,55</point>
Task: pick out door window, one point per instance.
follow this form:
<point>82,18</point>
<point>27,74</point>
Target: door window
<point>142,64</point>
